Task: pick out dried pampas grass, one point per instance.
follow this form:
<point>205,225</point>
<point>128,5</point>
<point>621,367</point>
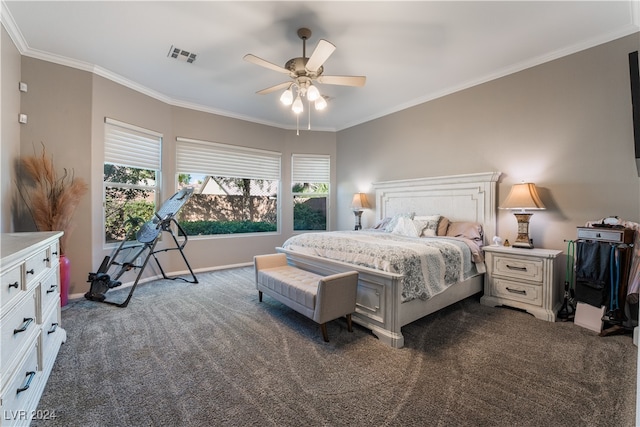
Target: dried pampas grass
<point>50,199</point>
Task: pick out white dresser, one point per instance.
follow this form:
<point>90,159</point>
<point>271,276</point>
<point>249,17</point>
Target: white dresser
<point>29,322</point>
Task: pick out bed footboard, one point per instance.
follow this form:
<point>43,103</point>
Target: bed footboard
<point>379,305</point>
<point>378,297</point>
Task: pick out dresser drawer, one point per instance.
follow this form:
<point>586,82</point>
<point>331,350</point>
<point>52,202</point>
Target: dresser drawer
<point>516,291</point>
<point>54,253</point>
<point>19,327</point>
<point>52,335</point>
<point>519,268</point>
<point>20,396</point>
<point>49,293</point>
<point>12,286</point>
<point>36,265</point>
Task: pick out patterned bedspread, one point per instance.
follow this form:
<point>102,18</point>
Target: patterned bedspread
<point>429,264</point>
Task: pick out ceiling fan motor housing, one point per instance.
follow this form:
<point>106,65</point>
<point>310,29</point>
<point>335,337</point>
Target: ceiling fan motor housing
<point>297,68</point>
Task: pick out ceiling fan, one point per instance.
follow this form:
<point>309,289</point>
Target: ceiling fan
<point>305,72</point>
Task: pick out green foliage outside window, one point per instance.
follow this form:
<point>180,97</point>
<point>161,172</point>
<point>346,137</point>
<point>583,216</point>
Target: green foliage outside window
<point>130,193</point>
<point>307,218</point>
<point>310,206</point>
<point>203,228</point>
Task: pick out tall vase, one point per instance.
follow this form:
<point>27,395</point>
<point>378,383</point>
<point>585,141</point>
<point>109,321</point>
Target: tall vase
<point>65,266</point>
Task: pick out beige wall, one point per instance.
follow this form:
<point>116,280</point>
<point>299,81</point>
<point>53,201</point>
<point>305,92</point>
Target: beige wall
<point>565,125</point>
<point>10,128</point>
<point>58,105</point>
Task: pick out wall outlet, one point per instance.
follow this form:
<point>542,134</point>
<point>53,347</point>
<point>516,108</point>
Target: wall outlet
<point>23,87</point>
<point>22,118</point>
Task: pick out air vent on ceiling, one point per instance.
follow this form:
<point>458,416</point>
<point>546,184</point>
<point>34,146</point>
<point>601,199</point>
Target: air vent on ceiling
<point>181,55</point>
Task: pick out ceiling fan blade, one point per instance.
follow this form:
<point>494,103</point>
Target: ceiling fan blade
<point>266,64</point>
<point>323,50</point>
<point>274,88</point>
<point>343,80</point>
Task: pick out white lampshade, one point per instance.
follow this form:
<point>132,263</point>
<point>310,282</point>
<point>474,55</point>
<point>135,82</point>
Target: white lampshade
<point>313,93</point>
<point>297,106</point>
<point>359,202</point>
<point>523,197</point>
<point>287,97</point>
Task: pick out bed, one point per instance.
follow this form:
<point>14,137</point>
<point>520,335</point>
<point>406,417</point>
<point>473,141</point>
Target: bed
<point>384,305</point>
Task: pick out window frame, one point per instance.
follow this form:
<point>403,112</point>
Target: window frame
<point>215,159</point>
<point>311,168</point>
<point>120,141</point>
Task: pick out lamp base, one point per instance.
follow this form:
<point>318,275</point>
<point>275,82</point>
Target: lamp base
<point>358,215</point>
<point>523,240</point>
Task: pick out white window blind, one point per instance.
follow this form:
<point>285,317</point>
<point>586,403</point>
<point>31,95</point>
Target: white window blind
<point>132,146</point>
<point>211,158</point>
<point>310,168</point>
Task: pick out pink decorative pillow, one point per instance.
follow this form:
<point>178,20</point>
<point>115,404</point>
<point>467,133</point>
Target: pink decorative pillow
<point>468,230</point>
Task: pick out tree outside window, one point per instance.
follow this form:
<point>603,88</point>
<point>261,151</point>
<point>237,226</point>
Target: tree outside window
<point>310,206</point>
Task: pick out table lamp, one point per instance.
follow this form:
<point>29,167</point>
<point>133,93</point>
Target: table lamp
<point>358,204</point>
<point>523,197</point>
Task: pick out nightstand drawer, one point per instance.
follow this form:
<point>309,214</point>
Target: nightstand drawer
<point>507,289</point>
<point>519,268</point>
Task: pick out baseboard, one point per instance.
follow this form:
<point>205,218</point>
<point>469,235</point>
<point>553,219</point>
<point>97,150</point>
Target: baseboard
<point>172,274</point>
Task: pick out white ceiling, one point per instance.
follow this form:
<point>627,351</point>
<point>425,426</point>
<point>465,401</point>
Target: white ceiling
<point>411,52</point>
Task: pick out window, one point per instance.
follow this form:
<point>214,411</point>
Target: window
<point>131,177</point>
<point>310,189</point>
<point>235,188</point>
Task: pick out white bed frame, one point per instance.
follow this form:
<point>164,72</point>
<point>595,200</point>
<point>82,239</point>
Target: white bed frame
<point>470,197</point>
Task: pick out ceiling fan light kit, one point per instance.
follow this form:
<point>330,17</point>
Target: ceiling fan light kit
<point>304,72</point>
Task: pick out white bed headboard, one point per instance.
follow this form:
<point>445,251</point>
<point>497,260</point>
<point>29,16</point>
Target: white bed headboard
<point>470,197</point>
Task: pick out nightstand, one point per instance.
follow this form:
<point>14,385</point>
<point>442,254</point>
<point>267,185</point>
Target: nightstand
<point>524,279</point>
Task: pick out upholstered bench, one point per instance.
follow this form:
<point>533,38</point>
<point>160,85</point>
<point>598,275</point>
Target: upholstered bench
<point>320,298</point>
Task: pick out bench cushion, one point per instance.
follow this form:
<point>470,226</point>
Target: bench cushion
<point>279,280</point>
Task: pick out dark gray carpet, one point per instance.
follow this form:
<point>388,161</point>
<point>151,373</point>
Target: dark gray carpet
<point>206,354</point>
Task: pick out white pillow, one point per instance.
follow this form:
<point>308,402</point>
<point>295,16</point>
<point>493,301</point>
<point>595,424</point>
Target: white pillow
<point>394,221</point>
<point>406,227</point>
<point>430,224</point>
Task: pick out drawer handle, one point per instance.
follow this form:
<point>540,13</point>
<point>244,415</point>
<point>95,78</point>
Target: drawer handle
<point>374,309</point>
<point>516,267</point>
<point>517,291</point>
<point>54,326</point>
<point>54,253</point>
<point>52,288</point>
<point>30,374</point>
<point>14,285</point>
<point>25,324</point>
<point>32,271</point>
<point>46,260</point>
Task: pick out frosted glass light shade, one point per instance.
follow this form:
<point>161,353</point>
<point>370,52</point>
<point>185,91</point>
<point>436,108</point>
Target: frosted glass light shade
<point>321,103</point>
<point>287,97</point>
<point>313,93</point>
<point>297,106</point>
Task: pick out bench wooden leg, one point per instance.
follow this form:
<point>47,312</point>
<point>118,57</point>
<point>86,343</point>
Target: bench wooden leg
<point>349,325</point>
<point>323,328</point>
<point>259,296</point>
